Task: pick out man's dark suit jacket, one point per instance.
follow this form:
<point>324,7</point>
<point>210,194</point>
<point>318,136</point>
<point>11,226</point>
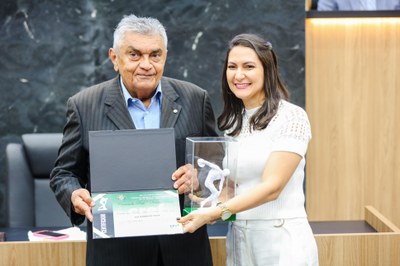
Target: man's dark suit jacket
<point>187,109</point>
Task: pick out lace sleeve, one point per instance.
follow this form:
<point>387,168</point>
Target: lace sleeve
<point>294,131</point>
<point>296,127</point>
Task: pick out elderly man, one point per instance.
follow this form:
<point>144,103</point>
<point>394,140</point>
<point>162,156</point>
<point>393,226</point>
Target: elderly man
<point>139,97</point>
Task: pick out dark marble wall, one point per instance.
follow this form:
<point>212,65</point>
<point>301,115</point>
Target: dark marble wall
<point>52,49</point>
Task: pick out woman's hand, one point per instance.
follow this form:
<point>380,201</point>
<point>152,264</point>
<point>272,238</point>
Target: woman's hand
<point>199,217</point>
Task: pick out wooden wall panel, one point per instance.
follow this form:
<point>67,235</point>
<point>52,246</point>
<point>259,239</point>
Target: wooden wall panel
<point>353,102</point>
<point>46,253</point>
<point>359,249</point>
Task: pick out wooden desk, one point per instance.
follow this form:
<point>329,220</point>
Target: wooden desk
<point>335,249</point>
<point>362,249</point>
<point>71,253</point>
<point>339,247</point>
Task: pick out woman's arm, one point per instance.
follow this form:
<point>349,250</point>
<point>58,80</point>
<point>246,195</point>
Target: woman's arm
<point>279,168</point>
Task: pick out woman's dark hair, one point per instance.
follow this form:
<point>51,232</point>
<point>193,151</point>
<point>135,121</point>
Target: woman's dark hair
<point>274,88</point>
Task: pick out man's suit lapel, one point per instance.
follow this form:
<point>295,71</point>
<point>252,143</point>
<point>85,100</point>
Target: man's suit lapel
<point>116,109</point>
<point>117,112</point>
<point>170,109</point>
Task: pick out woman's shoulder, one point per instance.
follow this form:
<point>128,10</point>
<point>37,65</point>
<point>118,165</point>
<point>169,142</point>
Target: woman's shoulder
<point>291,110</point>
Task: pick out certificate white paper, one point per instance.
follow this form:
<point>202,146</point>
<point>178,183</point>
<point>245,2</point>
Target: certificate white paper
<point>136,213</point>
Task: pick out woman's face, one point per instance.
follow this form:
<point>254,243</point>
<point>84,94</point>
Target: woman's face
<point>245,76</point>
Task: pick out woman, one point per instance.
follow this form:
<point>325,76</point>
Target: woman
<point>271,226</point>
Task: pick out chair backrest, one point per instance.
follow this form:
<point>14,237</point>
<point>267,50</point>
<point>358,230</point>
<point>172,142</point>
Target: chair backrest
<point>30,201</point>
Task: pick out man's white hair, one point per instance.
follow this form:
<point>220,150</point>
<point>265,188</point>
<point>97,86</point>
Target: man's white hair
<point>140,25</point>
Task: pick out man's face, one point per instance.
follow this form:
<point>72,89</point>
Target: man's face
<point>140,62</point>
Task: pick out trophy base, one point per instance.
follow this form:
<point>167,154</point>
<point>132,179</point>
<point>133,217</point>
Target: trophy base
<point>188,210</point>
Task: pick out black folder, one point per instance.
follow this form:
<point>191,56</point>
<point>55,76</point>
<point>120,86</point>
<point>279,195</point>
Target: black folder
<point>131,160</point>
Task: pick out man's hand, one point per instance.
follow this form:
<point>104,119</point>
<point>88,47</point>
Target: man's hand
<point>183,177</point>
<point>83,203</point>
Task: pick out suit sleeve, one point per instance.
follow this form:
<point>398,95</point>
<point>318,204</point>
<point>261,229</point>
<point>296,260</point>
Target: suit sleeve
<point>70,170</point>
<point>209,117</point>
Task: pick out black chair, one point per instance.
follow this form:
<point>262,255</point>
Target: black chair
<point>30,201</point>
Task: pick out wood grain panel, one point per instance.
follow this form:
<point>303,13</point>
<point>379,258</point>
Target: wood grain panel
<point>71,253</point>
<point>359,249</point>
<point>363,249</point>
<point>379,222</point>
<point>218,250</point>
<point>353,99</point>
<point>65,253</point>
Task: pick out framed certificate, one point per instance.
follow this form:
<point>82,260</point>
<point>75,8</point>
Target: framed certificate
<point>136,213</point>
<point>131,183</point>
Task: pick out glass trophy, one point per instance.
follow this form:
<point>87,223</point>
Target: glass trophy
<point>213,162</point>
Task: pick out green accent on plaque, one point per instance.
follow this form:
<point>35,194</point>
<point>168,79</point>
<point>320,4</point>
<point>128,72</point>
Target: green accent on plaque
<point>232,218</point>
<point>188,210</point>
